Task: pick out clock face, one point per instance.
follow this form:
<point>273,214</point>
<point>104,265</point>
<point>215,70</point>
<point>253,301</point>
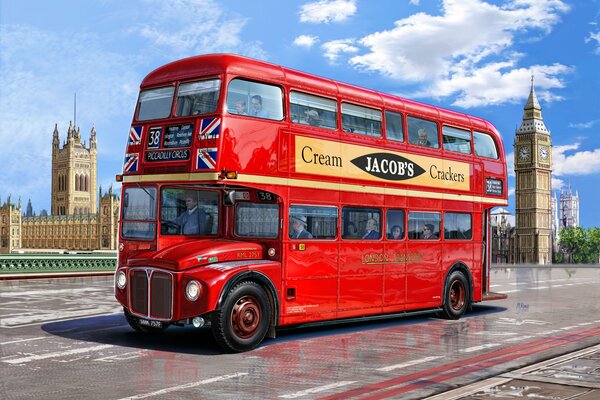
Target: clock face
<point>544,152</point>
<point>524,153</point>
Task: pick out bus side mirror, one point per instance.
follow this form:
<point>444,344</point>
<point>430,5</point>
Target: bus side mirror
<point>229,198</point>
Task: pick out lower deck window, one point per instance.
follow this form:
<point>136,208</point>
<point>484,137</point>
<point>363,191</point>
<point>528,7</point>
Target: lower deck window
<point>423,225</point>
<point>257,220</point>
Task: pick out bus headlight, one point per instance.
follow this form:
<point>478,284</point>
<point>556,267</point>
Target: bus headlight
<point>121,280</point>
<point>192,290</point>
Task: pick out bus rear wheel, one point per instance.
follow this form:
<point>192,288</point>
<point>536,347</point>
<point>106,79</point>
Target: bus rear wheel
<point>457,298</point>
<point>244,318</point>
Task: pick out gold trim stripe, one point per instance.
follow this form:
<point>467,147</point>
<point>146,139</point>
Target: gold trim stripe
<point>346,187</point>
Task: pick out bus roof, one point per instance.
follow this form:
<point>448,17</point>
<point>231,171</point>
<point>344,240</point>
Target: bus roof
<point>215,64</point>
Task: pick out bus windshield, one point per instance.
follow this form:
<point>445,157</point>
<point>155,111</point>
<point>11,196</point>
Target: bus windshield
<point>139,212</point>
<point>189,211</point>
<point>155,103</point>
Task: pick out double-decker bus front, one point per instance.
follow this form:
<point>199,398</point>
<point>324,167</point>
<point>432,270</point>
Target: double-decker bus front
<point>189,240</point>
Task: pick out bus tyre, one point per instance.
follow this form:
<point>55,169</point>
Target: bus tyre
<point>456,296</point>
<point>243,319</point>
<point>135,324</point>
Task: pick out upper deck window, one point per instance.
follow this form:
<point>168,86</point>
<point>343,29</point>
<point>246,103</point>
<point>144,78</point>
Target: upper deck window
<point>198,97</point>
<point>155,103</point>
<point>362,120</point>
<point>484,145</point>
<point>422,132</point>
<point>254,99</point>
<point>313,110</point>
<point>457,140</point>
<point>393,126</point>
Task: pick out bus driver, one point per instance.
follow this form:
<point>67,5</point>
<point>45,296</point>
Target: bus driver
<point>193,219</point>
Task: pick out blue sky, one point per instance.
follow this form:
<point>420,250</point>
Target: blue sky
<point>473,56</point>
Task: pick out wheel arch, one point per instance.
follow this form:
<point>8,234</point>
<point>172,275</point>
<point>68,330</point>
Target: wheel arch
<point>462,267</point>
<point>263,281</point>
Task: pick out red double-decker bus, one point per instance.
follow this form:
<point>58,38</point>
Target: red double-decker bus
<point>256,196</point>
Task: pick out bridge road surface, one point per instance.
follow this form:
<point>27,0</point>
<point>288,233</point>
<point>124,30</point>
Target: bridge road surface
<point>66,339</point>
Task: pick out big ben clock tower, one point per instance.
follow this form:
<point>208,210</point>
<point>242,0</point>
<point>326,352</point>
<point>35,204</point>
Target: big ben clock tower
<point>533,171</point>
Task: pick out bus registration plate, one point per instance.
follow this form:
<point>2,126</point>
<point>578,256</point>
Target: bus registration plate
<point>150,323</point>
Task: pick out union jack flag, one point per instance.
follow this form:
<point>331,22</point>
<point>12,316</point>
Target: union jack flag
<point>210,128</point>
<point>135,135</point>
<point>131,162</point>
<point>207,158</point>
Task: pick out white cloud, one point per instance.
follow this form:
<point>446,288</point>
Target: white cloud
<point>334,49</point>
<point>557,184</point>
<point>326,11</point>
<point>579,163</point>
<point>584,125</point>
<point>191,27</point>
<point>414,2</point>
<point>510,164</point>
<point>39,73</point>
<point>306,41</point>
<point>511,191</point>
<point>466,50</point>
<point>594,37</point>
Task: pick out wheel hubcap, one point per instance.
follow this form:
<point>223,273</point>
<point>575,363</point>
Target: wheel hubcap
<point>245,317</point>
<point>457,295</point>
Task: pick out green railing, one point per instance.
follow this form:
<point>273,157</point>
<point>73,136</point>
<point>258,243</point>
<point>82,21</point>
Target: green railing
<point>54,263</point>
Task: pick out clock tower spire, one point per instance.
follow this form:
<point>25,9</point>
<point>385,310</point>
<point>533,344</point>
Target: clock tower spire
<point>533,172</point>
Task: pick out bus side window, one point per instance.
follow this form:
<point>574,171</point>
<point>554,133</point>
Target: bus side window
<point>395,224</point>
<point>263,101</point>
<point>484,145</point>
<point>361,223</point>
<point>422,132</point>
<point>457,226</point>
<point>458,140</point>
<point>311,222</point>
<point>423,225</point>
<point>393,126</point>
<point>308,109</point>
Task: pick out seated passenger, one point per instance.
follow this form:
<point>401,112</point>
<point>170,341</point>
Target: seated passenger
<point>312,118</point>
<point>240,108</point>
<point>428,232</point>
<point>256,107</point>
<point>423,141</point>
<point>299,228</point>
<point>372,231</point>
<point>396,233</point>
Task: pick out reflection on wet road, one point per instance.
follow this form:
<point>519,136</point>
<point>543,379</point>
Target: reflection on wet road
<point>66,339</point>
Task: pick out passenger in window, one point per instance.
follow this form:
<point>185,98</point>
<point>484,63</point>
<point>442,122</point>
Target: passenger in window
<point>423,141</point>
<point>351,231</point>
<point>396,233</point>
<point>428,232</point>
<point>299,228</point>
<point>256,107</point>
<point>193,220</point>
<point>312,118</point>
<point>372,230</point>
<point>240,108</point>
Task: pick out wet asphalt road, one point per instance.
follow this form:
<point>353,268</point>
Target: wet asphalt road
<point>66,339</point>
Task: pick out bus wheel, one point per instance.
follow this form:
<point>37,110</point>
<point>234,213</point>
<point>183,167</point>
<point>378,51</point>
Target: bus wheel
<point>243,320</point>
<point>135,324</point>
<point>457,296</point>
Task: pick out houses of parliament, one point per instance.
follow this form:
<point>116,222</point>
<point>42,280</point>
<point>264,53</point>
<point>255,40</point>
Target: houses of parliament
<point>81,218</point>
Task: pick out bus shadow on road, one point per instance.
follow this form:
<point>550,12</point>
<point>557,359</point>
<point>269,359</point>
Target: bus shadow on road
<point>114,330</point>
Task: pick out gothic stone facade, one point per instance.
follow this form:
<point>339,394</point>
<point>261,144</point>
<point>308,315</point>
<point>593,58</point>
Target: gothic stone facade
<point>76,222</point>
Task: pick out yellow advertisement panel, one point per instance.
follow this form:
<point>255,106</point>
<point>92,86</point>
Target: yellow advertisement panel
<point>324,157</point>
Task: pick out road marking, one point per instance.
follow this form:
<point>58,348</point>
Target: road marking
<point>539,288</point>
<point>409,363</point>
<point>49,292</point>
<point>27,359</point>
<point>121,357</point>
<point>517,339</point>
<point>317,389</point>
<point>56,316</point>
<point>478,348</point>
<point>186,386</point>
<point>23,340</point>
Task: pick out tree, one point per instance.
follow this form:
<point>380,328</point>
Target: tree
<point>580,245</point>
